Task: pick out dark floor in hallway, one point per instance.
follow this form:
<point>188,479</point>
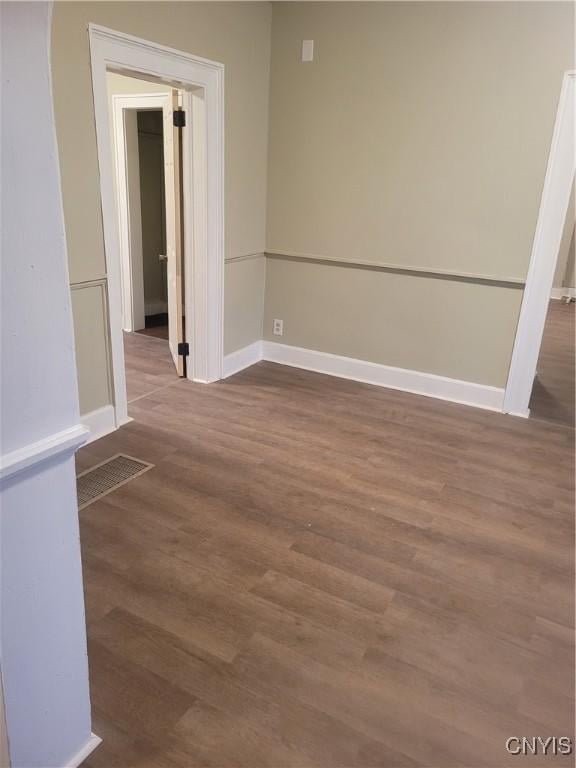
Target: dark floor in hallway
<point>553,395</point>
<point>324,573</point>
<point>156,332</point>
<point>156,326</point>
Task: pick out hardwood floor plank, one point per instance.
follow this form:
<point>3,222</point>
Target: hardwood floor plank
<point>553,397</point>
<point>323,573</point>
<point>217,684</point>
<point>132,696</point>
<point>352,698</point>
<point>471,604</point>
<point>321,608</point>
<point>237,740</point>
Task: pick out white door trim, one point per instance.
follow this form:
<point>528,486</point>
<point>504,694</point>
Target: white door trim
<point>203,84</point>
<point>130,234</point>
<point>553,207</point>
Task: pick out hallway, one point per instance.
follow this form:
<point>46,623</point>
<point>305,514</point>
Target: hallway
<point>553,396</point>
<point>322,573</point>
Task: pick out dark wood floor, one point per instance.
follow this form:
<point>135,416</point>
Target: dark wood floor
<point>324,573</point>
<point>155,331</point>
<point>156,326</point>
<point>553,396</point>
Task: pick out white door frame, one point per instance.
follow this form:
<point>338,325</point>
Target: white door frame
<point>549,227</point>
<point>202,82</point>
<point>130,225</point>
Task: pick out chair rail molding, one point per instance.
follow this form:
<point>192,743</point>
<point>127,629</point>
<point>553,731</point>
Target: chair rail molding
<point>62,443</point>
<point>404,269</point>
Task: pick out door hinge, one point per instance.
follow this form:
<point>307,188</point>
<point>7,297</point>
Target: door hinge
<point>179,118</point>
<point>183,349</point>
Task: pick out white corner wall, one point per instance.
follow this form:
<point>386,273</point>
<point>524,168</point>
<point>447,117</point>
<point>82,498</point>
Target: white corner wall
<point>42,632</point>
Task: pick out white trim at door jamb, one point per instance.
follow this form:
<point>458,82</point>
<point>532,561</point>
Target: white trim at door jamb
<point>203,84</point>
<point>551,216</point>
<point>84,752</point>
<point>120,103</point>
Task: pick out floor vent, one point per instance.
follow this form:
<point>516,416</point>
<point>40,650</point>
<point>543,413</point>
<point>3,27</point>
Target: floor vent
<point>106,477</point>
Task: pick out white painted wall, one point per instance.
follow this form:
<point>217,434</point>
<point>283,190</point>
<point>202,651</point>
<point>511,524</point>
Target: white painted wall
<point>42,631</point>
<point>564,274</point>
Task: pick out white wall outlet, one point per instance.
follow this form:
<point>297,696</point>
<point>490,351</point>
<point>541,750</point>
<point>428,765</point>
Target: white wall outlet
<point>278,327</point>
<point>307,50</point>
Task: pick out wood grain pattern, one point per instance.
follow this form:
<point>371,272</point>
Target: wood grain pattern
<point>146,365</point>
<point>553,397</point>
<point>324,573</point>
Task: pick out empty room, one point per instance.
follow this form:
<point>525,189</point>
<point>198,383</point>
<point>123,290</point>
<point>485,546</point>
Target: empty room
<point>288,397</point>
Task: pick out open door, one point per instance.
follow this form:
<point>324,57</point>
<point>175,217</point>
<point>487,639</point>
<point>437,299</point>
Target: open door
<point>173,125</point>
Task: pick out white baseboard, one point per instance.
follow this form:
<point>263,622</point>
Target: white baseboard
<point>563,293</point>
<point>77,759</point>
<point>520,414</point>
<point>100,422</point>
<point>242,358</point>
<point>465,392</point>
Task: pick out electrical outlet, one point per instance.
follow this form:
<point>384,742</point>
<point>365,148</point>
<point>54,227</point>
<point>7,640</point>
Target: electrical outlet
<point>307,50</point>
<point>278,327</point>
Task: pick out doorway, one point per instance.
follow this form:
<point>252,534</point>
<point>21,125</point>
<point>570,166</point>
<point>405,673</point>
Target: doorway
<point>199,84</point>
<point>153,208</point>
<point>553,394</point>
<point>554,204</point>
<point>147,146</point>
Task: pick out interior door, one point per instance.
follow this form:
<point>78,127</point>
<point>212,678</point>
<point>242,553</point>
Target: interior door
<point>174,238</point>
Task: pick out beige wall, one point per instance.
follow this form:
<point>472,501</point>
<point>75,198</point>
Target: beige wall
<point>418,137</point>
<point>90,313</point>
<point>119,85</point>
<point>384,318</point>
<point>245,303</point>
<point>236,34</point>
